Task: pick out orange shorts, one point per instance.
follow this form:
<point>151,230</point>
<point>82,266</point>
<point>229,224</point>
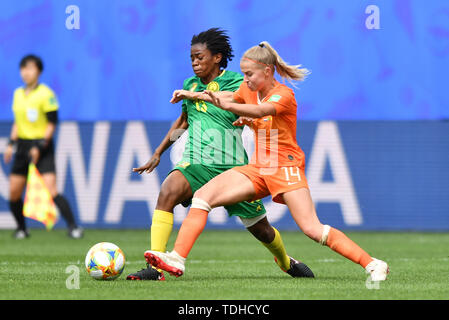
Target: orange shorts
<point>274,181</point>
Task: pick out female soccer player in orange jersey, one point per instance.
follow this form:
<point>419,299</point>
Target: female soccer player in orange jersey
<point>277,167</point>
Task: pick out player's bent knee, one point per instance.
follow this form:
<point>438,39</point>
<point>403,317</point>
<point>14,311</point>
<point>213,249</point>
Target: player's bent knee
<point>314,233</point>
<point>203,195</point>
<point>325,234</point>
<point>198,203</point>
<point>199,194</point>
<point>250,222</point>
<point>167,200</point>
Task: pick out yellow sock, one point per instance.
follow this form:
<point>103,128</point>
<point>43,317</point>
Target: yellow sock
<point>277,248</point>
<point>161,228</point>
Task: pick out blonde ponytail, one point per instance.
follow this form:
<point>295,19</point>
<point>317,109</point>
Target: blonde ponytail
<point>265,54</point>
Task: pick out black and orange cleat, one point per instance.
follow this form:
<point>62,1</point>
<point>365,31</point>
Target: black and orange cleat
<point>149,273</point>
<point>298,269</point>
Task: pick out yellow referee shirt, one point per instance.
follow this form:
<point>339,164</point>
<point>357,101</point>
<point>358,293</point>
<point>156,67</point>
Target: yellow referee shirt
<point>30,111</point>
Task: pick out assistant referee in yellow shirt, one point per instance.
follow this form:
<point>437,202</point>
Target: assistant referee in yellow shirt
<point>35,117</point>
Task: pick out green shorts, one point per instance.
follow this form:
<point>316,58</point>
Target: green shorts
<point>198,175</point>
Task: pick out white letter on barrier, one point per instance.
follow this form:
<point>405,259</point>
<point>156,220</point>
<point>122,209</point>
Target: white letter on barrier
<point>87,185</point>
<point>328,144</point>
<point>6,219</point>
<point>135,142</point>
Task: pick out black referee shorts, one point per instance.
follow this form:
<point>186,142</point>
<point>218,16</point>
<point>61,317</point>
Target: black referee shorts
<point>22,159</point>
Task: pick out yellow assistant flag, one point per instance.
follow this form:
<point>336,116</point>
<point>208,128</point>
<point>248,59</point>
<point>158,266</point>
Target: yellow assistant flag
<point>38,204</point>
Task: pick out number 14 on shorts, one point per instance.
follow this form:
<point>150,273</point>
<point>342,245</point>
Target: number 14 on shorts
<point>290,174</point>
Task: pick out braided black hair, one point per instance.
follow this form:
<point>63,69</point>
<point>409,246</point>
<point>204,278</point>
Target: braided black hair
<point>217,41</point>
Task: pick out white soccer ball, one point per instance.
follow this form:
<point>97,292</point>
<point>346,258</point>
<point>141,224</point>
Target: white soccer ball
<point>105,261</point>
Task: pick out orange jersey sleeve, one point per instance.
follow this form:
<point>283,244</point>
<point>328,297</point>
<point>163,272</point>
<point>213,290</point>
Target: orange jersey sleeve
<point>276,143</point>
<point>283,101</point>
<point>237,96</point>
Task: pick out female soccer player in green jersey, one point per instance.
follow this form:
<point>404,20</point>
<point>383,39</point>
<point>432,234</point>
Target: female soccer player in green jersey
<point>35,117</point>
<point>214,146</point>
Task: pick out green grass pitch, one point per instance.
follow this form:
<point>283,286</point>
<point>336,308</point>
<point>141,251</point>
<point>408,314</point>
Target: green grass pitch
<point>226,265</point>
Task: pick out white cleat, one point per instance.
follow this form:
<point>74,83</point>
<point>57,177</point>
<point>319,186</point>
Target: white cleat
<point>378,270</point>
<point>171,262</point>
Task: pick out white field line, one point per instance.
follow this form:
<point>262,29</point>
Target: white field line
<point>79,262</point>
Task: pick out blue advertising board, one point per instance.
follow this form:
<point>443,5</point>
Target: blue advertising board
<point>363,175</point>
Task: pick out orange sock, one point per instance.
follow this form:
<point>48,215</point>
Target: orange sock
<point>340,243</point>
<point>191,228</point>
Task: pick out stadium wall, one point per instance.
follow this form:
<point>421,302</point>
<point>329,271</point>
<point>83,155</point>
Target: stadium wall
<point>364,175</point>
<point>127,57</point>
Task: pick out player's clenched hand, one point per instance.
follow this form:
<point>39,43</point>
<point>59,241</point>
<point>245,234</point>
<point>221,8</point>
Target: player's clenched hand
<point>243,121</point>
<point>179,95</point>
<point>149,166</point>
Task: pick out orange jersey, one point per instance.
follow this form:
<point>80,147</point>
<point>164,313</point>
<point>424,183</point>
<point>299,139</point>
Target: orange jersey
<point>275,141</point>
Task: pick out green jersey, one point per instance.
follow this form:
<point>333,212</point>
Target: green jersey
<point>213,139</point>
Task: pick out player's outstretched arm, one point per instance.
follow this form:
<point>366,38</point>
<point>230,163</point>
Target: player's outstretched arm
<point>172,135</point>
<point>226,96</point>
<point>243,110</point>
<point>179,95</point>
